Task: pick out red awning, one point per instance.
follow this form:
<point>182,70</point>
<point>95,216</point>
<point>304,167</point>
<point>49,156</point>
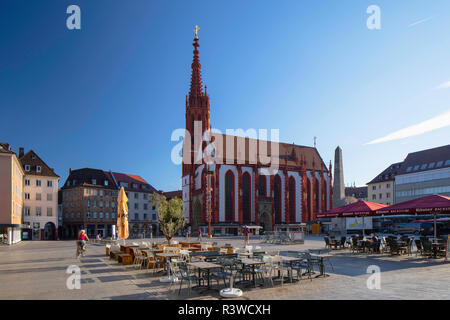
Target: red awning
<point>357,209</point>
<point>429,204</point>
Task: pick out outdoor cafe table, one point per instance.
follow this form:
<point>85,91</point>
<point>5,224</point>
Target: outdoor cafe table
<point>291,260</point>
<point>147,251</point>
<point>252,263</point>
<point>206,266</point>
<point>167,256</point>
<point>322,266</point>
<point>127,248</point>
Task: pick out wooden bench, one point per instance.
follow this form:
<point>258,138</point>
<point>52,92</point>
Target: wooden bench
<point>115,254</point>
<point>125,258</point>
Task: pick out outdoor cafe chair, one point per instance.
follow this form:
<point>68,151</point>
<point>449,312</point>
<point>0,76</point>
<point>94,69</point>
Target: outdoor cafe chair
<point>306,264</point>
<point>221,273</point>
<point>342,243</point>
<point>384,245</point>
<point>317,261</point>
<point>139,258</point>
<point>327,242</point>
<point>185,273</point>
<point>157,264</point>
<point>427,249</point>
<point>265,271</point>
<point>277,265</point>
<point>419,248</point>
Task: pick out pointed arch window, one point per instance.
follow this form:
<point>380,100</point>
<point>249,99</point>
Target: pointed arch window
<point>246,198</point>
<point>292,198</point>
<point>229,196</point>
<point>277,198</point>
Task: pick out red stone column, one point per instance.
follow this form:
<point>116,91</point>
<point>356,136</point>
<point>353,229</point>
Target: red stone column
<point>191,182</point>
<point>217,194</point>
<point>204,191</point>
<point>323,190</point>
<point>313,193</point>
<point>286,199</point>
<point>271,193</point>
<point>304,196</point>
<point>255,195</point>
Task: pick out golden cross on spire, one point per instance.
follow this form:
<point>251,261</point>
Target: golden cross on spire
<point>196,32</point>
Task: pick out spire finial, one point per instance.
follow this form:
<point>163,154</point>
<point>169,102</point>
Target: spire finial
<point>196,32</point>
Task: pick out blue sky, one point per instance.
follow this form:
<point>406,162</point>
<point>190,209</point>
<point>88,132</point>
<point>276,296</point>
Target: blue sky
<point>109,95</point>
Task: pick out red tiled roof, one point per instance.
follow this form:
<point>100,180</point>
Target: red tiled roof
<point>33,160</point>
<point>288,154</point>
<point>428,204</point>
<point>130,179</point>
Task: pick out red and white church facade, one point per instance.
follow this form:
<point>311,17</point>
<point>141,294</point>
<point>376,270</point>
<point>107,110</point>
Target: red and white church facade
<point>237,187</point>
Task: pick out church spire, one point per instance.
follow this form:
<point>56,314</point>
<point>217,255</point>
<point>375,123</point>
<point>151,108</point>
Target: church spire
<point>196,77</point>
<point>197,98</point>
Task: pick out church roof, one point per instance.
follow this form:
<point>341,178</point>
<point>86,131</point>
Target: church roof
<point>288,154</point>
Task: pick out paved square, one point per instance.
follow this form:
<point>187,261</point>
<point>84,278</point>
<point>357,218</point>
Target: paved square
<point>37,270</point>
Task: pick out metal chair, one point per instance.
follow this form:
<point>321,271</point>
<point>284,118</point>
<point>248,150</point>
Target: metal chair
<point>156,263</point>
<point>184,273</point>
<point>139,258</point>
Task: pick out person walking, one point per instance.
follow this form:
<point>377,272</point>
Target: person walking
<point>200,235</point>
<point>245,233</point>
<point>188,232</point>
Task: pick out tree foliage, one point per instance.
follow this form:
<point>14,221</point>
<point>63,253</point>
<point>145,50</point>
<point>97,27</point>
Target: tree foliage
<point>170,214</point>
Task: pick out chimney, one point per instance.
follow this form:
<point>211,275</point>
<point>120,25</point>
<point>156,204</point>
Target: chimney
<point>21,152</point>
<point>70,170</point>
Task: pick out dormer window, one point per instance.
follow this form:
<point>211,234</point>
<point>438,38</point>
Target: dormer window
<point>33,156</point>
<point>27,167</point>
<point>106,183</point>
<point>38,169</point>
<point>94,181</point>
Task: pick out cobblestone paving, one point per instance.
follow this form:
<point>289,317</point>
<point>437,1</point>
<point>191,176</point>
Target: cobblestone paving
<point>37,270</point>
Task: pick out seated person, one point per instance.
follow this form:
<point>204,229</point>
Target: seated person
<point>373,241</point>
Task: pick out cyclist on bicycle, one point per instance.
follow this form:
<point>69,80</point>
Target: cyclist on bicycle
<point>82,238</point>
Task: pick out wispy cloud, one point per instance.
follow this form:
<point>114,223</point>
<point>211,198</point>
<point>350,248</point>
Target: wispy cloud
<point>419,22</point>
<point>443,85</point>
<point>435,123</point>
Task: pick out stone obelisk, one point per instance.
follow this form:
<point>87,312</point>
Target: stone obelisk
<point>338,183</point>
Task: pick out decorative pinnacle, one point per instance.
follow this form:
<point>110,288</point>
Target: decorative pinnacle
<point>196,32</point>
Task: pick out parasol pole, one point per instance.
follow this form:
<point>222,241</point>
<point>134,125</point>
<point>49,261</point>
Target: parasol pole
<point>435,231</point>
<point>364,230</point>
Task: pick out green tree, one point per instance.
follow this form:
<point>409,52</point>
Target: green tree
<point>170,214</point>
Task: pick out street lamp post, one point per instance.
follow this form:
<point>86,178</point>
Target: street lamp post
<point>208,173</point>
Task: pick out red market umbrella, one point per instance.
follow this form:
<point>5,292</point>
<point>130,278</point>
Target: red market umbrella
<point>433,204</point>
<point>357,209</point>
